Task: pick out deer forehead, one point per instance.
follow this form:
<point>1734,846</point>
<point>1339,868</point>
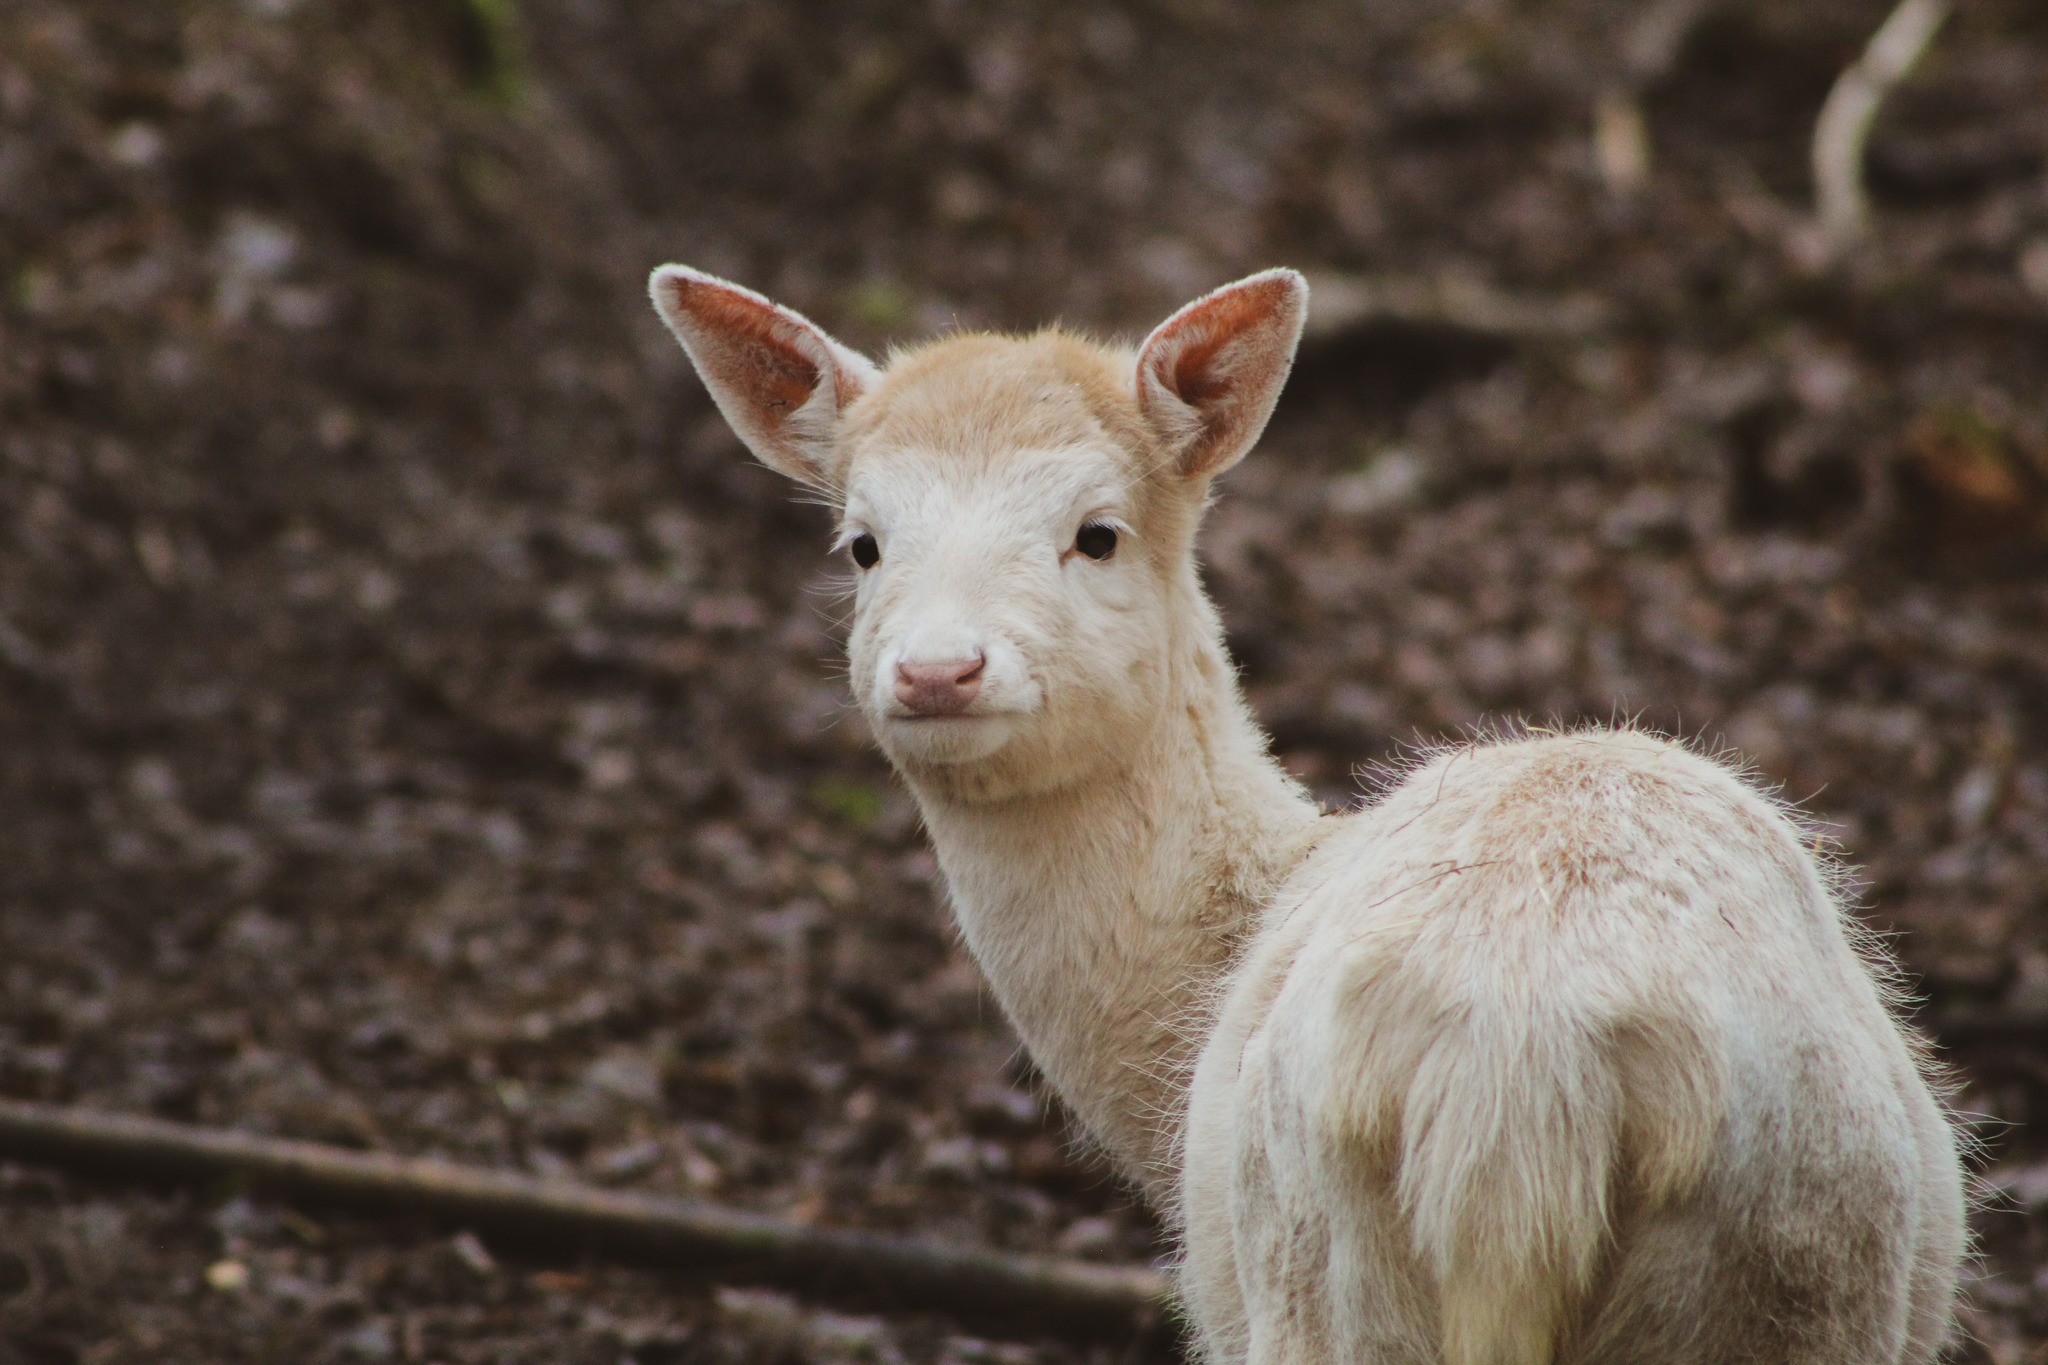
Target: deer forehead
<point>1050,412</point>
<point>916,495</point>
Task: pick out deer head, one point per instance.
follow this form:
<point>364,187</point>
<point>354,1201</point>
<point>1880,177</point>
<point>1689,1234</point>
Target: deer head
<point>1019,512</point>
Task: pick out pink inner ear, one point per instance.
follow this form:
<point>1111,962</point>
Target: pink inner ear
<point>1196,378</point>
<point>1210,374</point>
<point>755,356</point>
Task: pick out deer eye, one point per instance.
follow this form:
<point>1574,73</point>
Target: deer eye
<point>1096,540</point>
<point>866,552</point>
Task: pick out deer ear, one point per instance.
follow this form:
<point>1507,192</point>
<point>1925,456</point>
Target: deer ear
<point>1209,375</point>
<point>780,381</point>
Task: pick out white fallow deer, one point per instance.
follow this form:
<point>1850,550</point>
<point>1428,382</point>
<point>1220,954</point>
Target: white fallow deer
<point>1562,1052</point>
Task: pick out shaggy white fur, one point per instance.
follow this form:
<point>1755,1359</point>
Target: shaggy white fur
<point>1561,1053</point>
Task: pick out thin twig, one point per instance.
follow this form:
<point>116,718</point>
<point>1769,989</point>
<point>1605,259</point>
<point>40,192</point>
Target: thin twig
<point>1648,50</point>
<point>1843,129</point>
<point>1053,1296</point>
<point>1651,46</point>
<point>1621,142</point>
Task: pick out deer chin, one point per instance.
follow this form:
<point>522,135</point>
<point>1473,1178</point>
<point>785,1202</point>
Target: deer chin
<point>948,741</point>
<point>998,757</point>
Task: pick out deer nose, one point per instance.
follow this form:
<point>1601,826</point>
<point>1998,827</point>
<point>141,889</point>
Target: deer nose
<point>945,688</point>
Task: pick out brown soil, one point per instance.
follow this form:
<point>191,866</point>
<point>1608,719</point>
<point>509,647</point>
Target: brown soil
<point>421,729</point>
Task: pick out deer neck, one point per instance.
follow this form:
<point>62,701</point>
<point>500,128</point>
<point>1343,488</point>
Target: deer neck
<point>1104,912</point>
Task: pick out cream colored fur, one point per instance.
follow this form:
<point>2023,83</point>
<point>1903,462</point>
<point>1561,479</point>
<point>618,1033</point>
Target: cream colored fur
<point>1560,1053</point>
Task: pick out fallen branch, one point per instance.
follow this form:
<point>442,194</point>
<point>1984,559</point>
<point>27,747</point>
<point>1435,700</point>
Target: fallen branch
<point>1843,129</point>
<point>1343,304</point>
<point>1053,1296</point>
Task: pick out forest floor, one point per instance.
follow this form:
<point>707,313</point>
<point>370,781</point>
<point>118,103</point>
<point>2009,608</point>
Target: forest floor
<point>421,730</point>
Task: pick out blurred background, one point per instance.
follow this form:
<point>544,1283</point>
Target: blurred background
<point>421,724</point>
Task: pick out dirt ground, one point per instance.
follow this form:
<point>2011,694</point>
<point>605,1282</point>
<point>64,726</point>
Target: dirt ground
<point>421,729</point>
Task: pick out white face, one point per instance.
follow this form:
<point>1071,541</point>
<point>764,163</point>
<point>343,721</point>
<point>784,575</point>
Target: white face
<point>1008,608</point>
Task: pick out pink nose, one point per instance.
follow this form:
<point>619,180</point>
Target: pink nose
<point>939,689</point>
